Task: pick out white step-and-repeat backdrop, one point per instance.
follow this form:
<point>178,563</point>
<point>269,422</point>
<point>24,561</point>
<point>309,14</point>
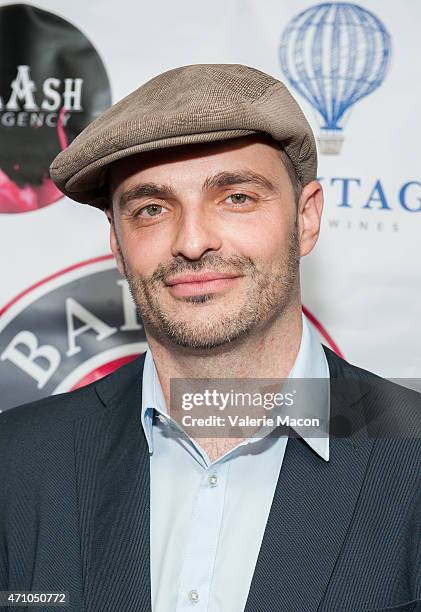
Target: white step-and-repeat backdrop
<point>66,316</point>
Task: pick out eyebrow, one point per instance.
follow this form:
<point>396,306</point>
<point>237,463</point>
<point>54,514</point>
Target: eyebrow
<point>218,181</point>
<point>225,179</point>
<point>145,190</point>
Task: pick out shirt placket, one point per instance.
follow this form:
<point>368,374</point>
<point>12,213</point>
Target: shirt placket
<point>202,540</point>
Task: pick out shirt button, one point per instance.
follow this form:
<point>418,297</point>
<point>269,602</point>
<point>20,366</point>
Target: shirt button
<point>194,596</point>
<point>213,480</point>
<point>162,418</point>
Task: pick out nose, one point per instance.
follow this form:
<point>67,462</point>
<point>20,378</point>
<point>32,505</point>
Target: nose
<point>195,234</point>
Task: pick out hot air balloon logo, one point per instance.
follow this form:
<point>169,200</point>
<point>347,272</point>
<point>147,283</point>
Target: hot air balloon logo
<point>334,54</point>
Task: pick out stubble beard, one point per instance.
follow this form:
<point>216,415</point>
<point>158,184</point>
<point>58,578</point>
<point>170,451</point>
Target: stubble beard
<point>267,296</point>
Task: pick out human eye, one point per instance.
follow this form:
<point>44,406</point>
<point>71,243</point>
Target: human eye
<point>150,211</point>
<point>239,200</point>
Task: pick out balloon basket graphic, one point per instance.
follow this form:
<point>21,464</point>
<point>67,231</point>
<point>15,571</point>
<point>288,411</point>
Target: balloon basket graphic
<point>330,142</point>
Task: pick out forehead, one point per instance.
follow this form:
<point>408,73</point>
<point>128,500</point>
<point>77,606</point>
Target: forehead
<point>196,162</point>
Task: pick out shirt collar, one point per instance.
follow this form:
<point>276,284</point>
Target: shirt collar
<point>310,362</point>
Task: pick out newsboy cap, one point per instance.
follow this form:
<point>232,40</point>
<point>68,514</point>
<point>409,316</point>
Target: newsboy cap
<point>192,104</point>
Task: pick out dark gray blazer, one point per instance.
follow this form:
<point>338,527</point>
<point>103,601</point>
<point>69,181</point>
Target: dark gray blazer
<point>342,536</point>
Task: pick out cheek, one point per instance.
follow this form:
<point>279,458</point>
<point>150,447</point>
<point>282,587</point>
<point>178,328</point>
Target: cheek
<point>143,251</point>
<point>265,239</point>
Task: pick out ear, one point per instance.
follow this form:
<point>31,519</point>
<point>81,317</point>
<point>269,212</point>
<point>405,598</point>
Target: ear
<point>114,244</point>
<point>310,207</point>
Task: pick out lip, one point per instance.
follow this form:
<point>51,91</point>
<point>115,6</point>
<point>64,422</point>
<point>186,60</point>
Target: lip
<point>199,278</point>
<point>199,284</point>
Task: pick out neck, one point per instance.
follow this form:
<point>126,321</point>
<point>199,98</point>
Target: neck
<point>269,352</point>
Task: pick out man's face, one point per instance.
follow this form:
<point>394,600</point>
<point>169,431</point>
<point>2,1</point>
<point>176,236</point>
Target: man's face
<point>208,238</point>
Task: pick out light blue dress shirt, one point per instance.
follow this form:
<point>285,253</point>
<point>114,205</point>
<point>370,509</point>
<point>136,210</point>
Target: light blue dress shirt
<point>208,518</point>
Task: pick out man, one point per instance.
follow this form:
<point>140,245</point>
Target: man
<point>207,174</point>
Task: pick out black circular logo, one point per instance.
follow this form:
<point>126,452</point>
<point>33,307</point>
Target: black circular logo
<point>52,84</point>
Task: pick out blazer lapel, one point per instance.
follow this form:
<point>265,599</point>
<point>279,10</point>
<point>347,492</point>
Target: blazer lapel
<point>312,507</point>
<point>112,473</point>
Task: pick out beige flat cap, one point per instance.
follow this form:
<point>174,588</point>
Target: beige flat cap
<point>191,104</point>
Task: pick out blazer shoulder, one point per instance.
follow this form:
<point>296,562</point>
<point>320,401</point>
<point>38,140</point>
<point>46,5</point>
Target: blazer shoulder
<point>344,368</point>
<point>400,405</point>
<point>49,415</point>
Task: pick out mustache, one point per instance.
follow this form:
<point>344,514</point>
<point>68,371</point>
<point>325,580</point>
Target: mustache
<point>212,262</point>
